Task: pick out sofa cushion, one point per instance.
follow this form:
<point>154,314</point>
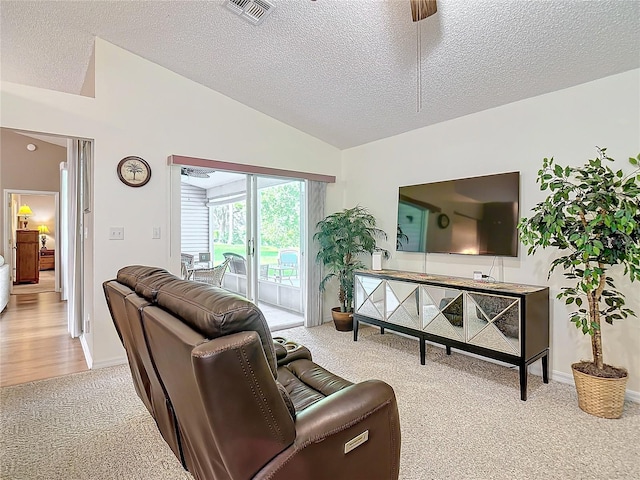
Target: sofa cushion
<point>306,382</point>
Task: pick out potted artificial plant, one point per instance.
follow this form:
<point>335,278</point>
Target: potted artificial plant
<point>592,215</point>
<point>343,237</point>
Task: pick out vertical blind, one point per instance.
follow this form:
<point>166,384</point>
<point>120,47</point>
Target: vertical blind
<point>194,221</point>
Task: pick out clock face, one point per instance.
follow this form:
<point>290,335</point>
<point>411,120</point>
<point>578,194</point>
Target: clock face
<point>443,220</point>
<point>134,171</point>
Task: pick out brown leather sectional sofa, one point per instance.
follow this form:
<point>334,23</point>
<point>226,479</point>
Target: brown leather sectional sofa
<point>234,403</point>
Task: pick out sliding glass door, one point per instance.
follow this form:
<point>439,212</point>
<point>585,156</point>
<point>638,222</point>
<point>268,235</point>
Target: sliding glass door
<point>277,245</point>
<point>257,223</point>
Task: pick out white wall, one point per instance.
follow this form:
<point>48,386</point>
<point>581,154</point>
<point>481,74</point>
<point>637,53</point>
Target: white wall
<point>567,124</point>
<point>143,109</point>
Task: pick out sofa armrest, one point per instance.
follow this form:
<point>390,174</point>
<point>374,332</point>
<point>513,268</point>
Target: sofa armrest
<point>247,414</point>
<point>366,412</point>
<point>288,351</point>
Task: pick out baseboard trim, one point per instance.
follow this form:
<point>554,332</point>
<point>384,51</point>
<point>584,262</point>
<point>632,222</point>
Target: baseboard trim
<point>535,368</point>
<point>111,362</point>
<point>87,353</point>
<point>562,377</point>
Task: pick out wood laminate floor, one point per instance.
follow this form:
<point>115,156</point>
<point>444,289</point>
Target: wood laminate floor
<point>34,342</point>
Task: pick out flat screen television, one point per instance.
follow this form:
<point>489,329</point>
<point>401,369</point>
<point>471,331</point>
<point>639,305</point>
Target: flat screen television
<point>474,216</point>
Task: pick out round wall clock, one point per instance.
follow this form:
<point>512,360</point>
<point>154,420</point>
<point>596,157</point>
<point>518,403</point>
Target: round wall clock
<point>443,220</point>
<point>134,171</point>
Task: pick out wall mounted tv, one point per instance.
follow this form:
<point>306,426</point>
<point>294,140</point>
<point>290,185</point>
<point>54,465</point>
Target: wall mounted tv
<point>474,216</point>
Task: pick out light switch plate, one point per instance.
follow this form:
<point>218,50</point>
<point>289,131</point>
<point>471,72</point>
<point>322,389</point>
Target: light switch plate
<point>156,233</point>
<point>116,233</point>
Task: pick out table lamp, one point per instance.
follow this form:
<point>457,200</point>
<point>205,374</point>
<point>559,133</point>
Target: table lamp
<point>43,229</point>
<point>25,212</point>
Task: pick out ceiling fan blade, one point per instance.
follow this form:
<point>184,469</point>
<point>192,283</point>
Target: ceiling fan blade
<point>421,9</point>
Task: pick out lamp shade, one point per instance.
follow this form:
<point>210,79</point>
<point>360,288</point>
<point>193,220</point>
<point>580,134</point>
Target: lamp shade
<point>43,229</point>
<point>421,9</point>
<point>25,211</point>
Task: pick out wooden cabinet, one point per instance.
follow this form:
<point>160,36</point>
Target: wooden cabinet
<point>504,321</point>
<point>47,259</point>
<point>27,256</point>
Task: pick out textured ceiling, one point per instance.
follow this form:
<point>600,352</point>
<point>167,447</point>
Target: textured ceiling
<point>344,71</point>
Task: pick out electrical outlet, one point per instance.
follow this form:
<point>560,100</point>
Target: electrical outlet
<point>156,232</point>
<point>477,275</point>
<point>116,233</point>
<point>87,324</point>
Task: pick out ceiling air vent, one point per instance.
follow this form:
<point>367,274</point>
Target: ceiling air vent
<point>253,11</point>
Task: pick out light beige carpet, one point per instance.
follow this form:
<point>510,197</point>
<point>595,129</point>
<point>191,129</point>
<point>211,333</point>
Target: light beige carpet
<point>461,418</point>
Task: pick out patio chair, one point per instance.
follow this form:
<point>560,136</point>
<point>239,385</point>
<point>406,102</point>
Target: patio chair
<point>212,276</point>
<point>186,265</point>
<point>288,264</point>
<point>238,264</point>
<point>264,272</point>
<point>204,258</point>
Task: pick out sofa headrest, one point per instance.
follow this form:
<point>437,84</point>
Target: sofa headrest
<point>211,311</point>
<point>131,275</point>
<point>215,312</point>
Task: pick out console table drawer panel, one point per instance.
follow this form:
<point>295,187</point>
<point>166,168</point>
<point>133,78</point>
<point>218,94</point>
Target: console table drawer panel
<point>402,301</point>
<point>490,337</point>
<point>442,312</point>
<point>369,297</point>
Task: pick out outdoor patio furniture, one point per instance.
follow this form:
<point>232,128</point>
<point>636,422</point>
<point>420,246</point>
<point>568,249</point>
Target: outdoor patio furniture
<point>204,258</point>
<point>212,276</point>
<point>287,267</point>
<point>264,272</point>
<point>237,264</point>
<point>186,265</point>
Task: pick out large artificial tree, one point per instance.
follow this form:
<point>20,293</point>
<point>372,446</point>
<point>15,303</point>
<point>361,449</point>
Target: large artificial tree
<point>592,215</point>
<point>343,237</point>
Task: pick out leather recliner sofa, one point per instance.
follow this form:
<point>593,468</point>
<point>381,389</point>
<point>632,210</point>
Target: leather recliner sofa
<point>232,402</point>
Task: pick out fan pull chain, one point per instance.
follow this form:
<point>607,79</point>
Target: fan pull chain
<point>419,66</point>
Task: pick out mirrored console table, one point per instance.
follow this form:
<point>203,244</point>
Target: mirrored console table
<point>503,321</point>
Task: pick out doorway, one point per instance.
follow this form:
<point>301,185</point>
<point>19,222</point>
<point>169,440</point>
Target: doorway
<point>256,222</point>
<point>43,222</point>
<point>36,322</point>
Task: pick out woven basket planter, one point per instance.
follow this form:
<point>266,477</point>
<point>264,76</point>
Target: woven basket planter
<point>602,397</point>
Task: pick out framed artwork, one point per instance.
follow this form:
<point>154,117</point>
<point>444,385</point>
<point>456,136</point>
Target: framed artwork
<point>134,171</point>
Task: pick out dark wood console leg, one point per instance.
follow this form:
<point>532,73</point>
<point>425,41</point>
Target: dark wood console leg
<point>448,348</point>
<point>381,330</point>
<point>545,368</point>
<point>423,351</point>
<point>523,382</point>
<point>355,330</point>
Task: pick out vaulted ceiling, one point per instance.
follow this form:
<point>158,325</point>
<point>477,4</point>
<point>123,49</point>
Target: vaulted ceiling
<point>345,71</point>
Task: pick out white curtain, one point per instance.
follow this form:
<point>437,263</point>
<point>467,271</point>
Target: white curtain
<point>316,193</point>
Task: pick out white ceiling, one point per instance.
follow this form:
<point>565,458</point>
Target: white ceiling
<point>344,71</point>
